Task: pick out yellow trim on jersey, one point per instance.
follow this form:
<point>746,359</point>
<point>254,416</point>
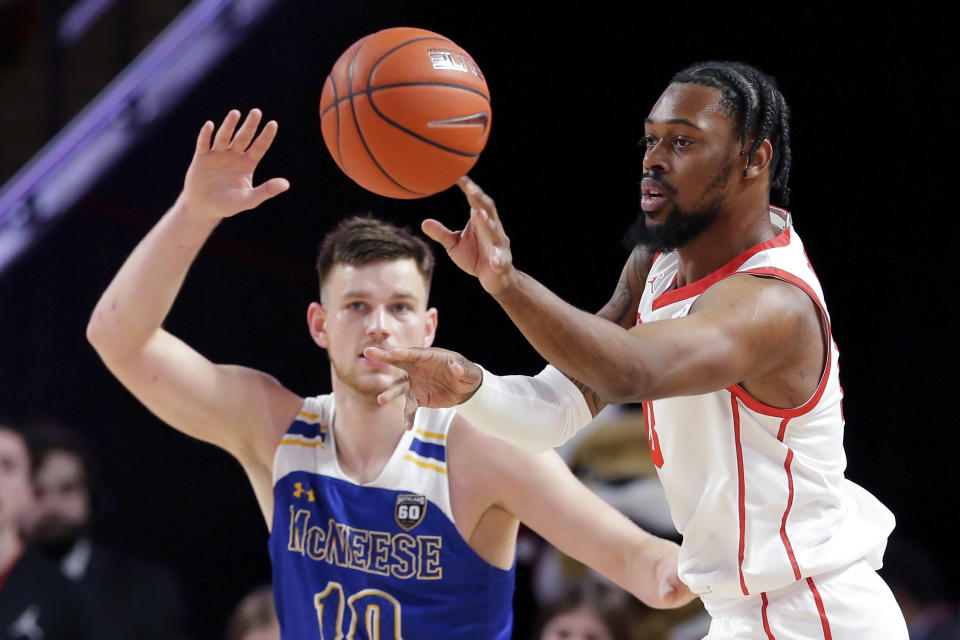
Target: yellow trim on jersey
<point>301,443</point>
<point>308,416</point>
<point>430,434</point>
<point>425,465</point>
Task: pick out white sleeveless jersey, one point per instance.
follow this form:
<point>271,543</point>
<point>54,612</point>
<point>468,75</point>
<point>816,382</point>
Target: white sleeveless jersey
<point>757,492</point>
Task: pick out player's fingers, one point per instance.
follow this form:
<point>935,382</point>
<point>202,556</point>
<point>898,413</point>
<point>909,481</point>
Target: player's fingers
<point>377,354</point>
<point>203,138</point>
<point>494,244</point>
<point>225,132</point>
<point>245,133</point>
<point>477,198</point>
<point>263,141</point>
<point>397,388</point>
<point>436,231</point>
<point>396,357</point>
<point>269,189</point>
<point>410,410</point>
<point>493,226</point>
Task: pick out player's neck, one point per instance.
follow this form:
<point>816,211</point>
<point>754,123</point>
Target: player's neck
<point>366,434</point>
<point>10,548</point>
<point>728,237</point>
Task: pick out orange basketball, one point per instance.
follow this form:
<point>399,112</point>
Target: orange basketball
<point>405,112</point>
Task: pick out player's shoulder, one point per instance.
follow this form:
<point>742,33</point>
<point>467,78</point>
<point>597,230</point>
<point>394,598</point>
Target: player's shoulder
<point>317,409</point>
<point>757,292</point>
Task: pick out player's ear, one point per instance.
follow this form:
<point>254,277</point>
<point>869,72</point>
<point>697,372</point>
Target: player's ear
<point>431,332</point>
<point>761,160</point>
<point>316,322</point>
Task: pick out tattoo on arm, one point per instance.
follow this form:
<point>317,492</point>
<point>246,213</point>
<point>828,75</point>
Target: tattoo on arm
<point>594,402</point>
<point>621,310</point>
<point>622,307</point>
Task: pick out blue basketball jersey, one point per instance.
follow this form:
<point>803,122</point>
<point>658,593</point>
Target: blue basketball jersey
<point>380,560</point>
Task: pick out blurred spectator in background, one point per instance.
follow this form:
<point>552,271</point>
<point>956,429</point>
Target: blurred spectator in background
<point>915,580</point>
<point>126,597</point>
<point>36,601</point>
<point>587,612</point>
<point>255,618</point>
<point>609,458</point>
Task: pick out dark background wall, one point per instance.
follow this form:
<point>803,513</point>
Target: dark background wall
<point>570,85</point>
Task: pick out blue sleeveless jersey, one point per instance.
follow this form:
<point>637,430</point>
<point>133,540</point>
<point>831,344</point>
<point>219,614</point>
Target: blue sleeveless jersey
<point>381,560</point>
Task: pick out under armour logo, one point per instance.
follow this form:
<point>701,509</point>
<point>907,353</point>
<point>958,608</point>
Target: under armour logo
<point>298,491</point>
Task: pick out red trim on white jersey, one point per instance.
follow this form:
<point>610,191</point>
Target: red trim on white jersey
<point>741,505</point>
<point>763,613</point>
<point>761,407</point>
<point>696,288</point>
<point>823,614</point>
<point>786,512</point>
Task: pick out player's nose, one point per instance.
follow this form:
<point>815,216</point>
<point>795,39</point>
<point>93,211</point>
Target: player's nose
<point>655,158</point>
<point>377,322</point>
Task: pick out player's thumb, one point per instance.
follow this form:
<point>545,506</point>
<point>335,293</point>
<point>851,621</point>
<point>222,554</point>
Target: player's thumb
<point>269,189</point>
<point>435,230</point>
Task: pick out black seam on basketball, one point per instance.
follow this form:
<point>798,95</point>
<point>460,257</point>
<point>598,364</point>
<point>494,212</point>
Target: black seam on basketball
<point>363,140</point>
<point>399,126</point>
<point>372,90</point>
<point>333,83</point>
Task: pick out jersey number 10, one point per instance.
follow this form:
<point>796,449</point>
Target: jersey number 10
<point>371,613</point>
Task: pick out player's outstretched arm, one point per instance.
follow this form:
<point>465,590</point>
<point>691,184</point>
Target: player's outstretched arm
<point>541,491</point>
<point>743,329</point>
<point>224,405</point>
<point>438,377</point>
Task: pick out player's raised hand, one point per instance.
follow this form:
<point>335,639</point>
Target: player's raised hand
<point>219,182</point>
<point>432,377</point>
<point>481,248</point>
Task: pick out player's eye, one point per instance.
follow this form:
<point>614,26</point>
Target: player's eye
<point>680,143</point>
<point>401,307</point>
<point>648,141</point>
<point>356,306</point>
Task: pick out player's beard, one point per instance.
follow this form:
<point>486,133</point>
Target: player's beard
<point>679,227</point>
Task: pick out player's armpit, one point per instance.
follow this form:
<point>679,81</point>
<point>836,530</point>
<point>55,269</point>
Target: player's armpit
<point>621,309</point>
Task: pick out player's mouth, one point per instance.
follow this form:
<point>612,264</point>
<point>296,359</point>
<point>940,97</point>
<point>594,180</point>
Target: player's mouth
<point>372,363</point>
<point>653,195</point>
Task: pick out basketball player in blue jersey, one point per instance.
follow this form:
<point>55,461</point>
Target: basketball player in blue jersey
<point>731,355</point>
<point>376,531</point>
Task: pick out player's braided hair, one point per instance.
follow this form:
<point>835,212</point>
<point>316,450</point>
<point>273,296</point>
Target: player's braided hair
<point>758,109</point>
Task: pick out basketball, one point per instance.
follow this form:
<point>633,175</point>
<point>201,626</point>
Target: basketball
<point>405,112</point>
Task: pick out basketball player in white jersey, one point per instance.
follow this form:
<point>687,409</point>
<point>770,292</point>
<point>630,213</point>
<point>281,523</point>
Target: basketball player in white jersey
<point>375,529</point>
<point>731,356</point>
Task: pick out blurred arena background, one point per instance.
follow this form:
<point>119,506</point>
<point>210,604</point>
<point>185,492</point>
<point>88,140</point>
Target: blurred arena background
<point>101,100</point>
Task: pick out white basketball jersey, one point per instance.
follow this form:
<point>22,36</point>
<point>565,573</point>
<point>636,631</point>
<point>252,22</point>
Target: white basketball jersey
<point>758,492</point>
